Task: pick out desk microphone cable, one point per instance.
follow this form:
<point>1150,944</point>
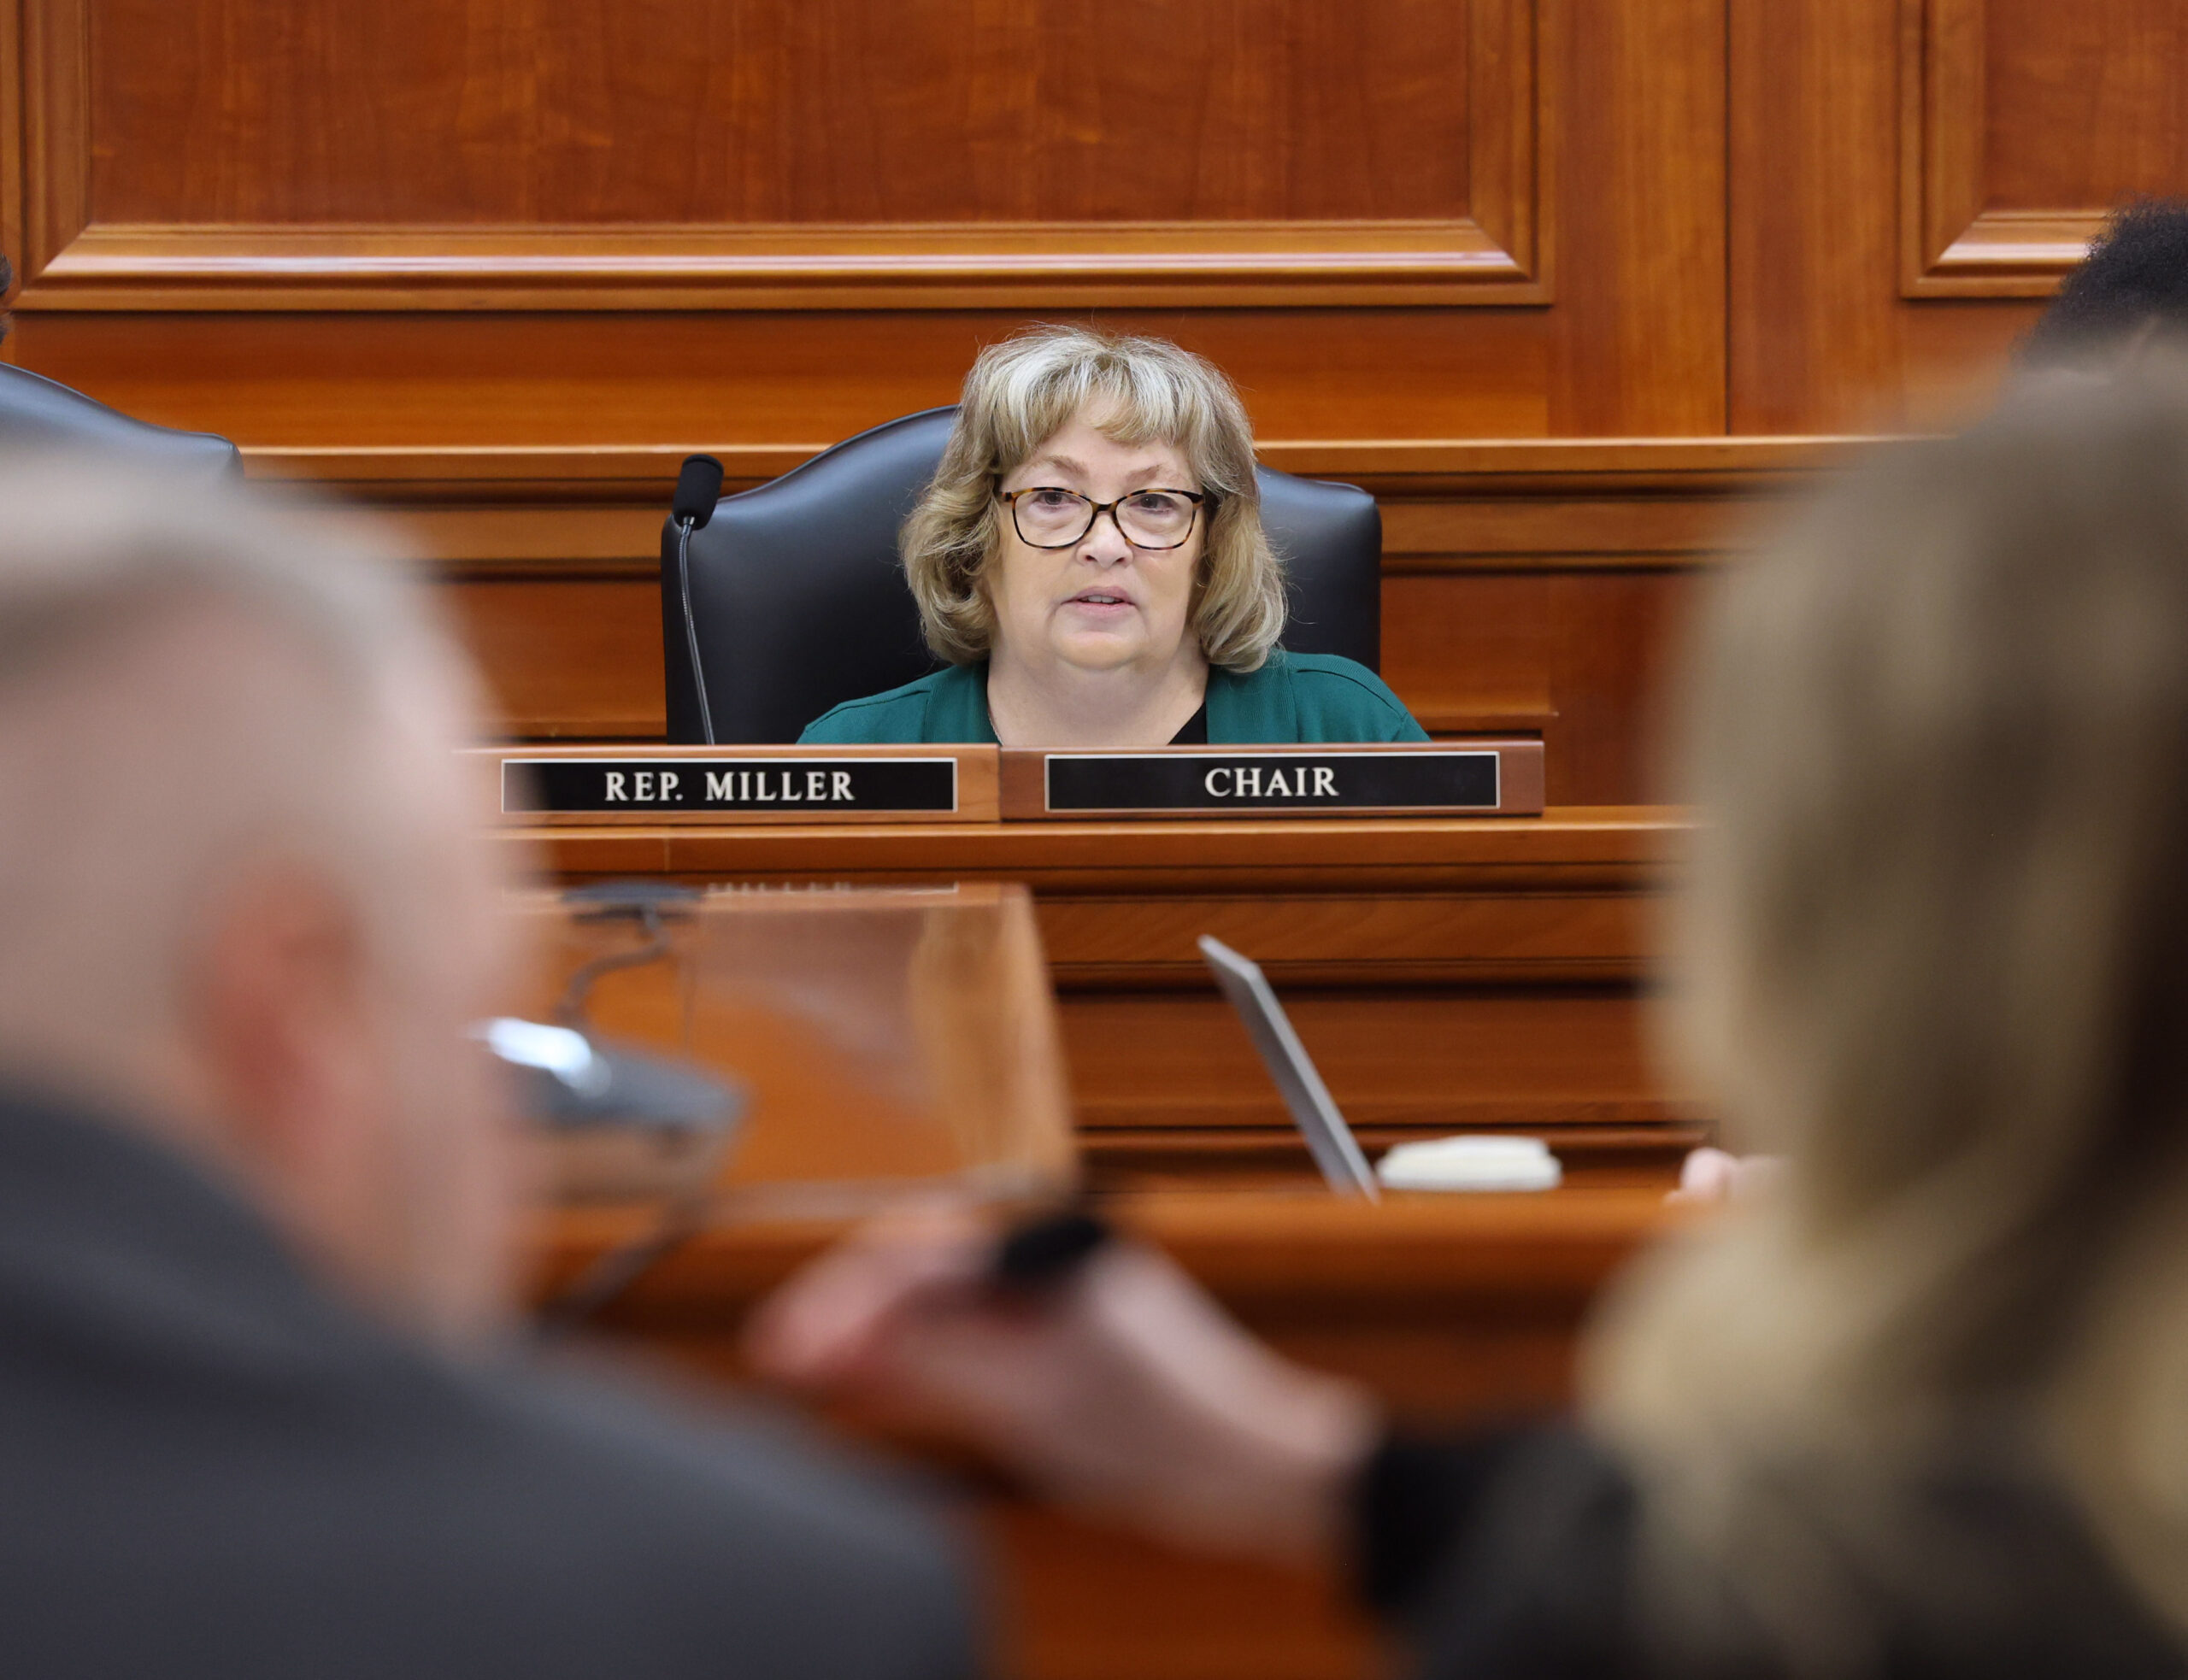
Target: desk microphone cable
<point>653,905</point>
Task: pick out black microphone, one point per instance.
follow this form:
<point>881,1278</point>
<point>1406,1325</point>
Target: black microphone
<point>698,487</point>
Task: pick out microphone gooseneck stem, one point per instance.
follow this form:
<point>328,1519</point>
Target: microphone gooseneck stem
<point>691,627</point>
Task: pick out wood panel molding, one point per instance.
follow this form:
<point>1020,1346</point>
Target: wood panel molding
<point>1498,253</point>
<point>1952,243</point>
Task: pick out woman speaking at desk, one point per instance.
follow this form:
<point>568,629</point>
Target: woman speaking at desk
<point>1090,560</point>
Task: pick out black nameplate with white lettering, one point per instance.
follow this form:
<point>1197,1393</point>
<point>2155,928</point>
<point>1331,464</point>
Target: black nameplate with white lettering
<point>1216,781</point>
<point>566,786</point>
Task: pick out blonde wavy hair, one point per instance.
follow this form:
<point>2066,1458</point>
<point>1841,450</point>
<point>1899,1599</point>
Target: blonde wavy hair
<point>1933,946</point>
<point>1023,392</point>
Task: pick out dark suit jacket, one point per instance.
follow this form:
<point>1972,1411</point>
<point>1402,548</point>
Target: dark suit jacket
<point>209,1466</point>
<point>1513,1556</point>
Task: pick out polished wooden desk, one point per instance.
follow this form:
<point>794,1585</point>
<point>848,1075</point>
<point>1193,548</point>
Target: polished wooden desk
<point>1445,973</point>
<point>1452,1307</point>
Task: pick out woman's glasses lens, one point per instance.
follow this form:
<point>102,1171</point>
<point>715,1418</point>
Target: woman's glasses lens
<point>1151,519</point>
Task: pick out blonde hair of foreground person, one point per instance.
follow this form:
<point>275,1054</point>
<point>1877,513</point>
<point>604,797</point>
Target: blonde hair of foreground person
<point>1023,392</point>
<point>1935,950</point>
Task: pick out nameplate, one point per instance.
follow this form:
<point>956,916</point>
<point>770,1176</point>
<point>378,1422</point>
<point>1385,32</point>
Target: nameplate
<point>1485,778</point>
<point>744,786</point>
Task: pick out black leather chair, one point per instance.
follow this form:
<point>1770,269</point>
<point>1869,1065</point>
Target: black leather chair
<point>37,415</point>
<point>799,603</point>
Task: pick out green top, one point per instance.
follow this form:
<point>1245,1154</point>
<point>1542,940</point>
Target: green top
<point>1292,697</point>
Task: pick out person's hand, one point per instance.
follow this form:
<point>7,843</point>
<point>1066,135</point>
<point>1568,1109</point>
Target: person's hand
<point>1712,1175</point>
<point>1123,1389</point>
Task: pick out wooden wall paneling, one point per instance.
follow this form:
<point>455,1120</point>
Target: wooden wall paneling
<point>1635,349</point>
<point>11,152</point>
<point>571,656</point>
<point>56,138</point>
<point>1311,377</point>
<point>1621,633</point>
<point>2082,103</point>
<point>783,381</point>
<point>1588,931</point>
<point>480,382</point>
<point>1641,131</point>
<point>1433,1059</point>
<point>1813,327</point>
<point>1911,177</point>
<point>835,155</point>
<point>2022,125</point>
<point>1822,337</point>
<point>1954,241</point>
<point>1545,589</point>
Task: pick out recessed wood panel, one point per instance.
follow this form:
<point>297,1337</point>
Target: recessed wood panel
<point>309,154</point>
<point>1589,129</point>
<point>2084,104</point>
<point>1428,1058</point>
<point>1580,656</point>
<point>1838,318</point>
<point>575,658</point>
<point>2025,124</point>
<point>1470,650</point>
<point>699,111</point>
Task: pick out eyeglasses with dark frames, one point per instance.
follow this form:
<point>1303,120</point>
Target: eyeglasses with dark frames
<point>1048,516</point>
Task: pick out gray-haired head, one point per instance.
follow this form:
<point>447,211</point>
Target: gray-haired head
<point>211,708</point>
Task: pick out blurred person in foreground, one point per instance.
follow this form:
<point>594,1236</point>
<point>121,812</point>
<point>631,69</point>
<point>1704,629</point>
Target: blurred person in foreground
<point>1921,1410</point>
<point>261,1409</point>
<point>2124,302</point>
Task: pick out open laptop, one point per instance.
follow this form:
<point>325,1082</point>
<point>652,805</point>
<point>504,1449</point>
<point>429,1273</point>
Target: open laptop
<point>1329,1139</point>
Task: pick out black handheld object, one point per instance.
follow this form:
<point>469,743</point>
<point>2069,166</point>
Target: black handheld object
<point>698,487</point>
<point>1047,1250</point>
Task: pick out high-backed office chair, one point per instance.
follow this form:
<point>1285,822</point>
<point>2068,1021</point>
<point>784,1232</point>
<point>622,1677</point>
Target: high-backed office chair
<point>798,603</point>
<point>37,414</point>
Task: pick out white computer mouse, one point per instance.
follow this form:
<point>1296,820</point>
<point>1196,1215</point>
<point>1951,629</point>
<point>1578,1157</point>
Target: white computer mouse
<point>1480,1161</point>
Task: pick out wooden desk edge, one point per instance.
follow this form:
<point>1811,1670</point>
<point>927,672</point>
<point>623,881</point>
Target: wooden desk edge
<point>1639,837</point>
<point>1244,1246</point>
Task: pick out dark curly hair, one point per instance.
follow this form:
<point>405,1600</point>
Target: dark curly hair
<point>2134,278</point>
<point>7,281</point>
